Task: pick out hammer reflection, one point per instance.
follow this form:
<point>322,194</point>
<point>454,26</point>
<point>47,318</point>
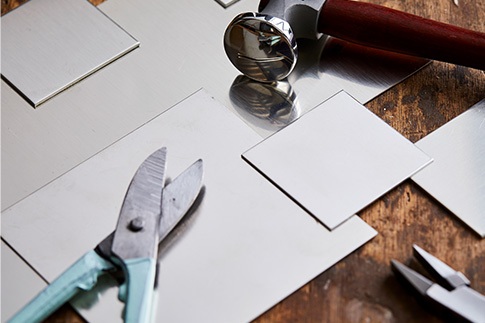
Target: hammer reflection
<point>270,106</point>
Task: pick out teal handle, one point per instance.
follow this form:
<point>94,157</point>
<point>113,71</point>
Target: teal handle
<point>83,274</point>
<point>138,290</point>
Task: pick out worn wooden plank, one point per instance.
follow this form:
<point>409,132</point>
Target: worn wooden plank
<point>362,288</point>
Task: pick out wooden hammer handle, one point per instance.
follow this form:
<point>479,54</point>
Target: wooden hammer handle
<point>384,28</point>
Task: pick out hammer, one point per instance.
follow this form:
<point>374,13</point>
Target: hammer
<point>263,45</point>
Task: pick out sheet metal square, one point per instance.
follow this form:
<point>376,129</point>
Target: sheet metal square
<point>48,45</point>
<point>456,178</point>
<point>246,247</point>
<point>336,159</point>
<point>17,276</point>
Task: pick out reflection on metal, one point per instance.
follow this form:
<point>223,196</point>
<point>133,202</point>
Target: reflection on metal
<point>324,67</point>
<point>456,178</point>
<point>261,47</point>
<point>48,45</point>
<point>226,3</point>
<point>270,105</point>
<point>336,159</point>
<point>358,65</point>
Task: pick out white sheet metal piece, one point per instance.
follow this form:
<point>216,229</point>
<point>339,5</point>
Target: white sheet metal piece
<point>245,248</point>
<point>18,284</point>
<point>337,159</point>
<point>456,178</point>
<point>48,45</point>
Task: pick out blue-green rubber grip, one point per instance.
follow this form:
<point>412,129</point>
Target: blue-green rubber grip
<point>82,275</point>
<point>138,289</point>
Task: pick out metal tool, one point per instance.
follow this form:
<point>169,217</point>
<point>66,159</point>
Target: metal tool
<point>263,45</point>
<point>131,250</point>
<point>452,292</point>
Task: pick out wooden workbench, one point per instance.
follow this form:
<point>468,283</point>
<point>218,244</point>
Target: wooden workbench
<point>362,288</point>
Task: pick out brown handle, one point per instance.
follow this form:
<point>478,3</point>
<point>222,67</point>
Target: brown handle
<point>384,28</point>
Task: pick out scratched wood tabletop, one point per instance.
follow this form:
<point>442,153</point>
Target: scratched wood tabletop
<point>362,288</point>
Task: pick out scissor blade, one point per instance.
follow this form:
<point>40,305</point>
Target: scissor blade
<point>136,234</point>
<point>178,197</point>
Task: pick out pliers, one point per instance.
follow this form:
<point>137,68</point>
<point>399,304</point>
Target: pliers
<point>452,292</point>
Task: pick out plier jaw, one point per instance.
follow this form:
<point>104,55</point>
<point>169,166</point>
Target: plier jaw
<point>442,273</point>
<point>452,295</point>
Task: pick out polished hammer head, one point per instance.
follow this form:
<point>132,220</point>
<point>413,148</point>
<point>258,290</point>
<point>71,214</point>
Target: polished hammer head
<point>263,45</point>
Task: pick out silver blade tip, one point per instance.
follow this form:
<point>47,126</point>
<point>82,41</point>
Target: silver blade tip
<point>416,280</point>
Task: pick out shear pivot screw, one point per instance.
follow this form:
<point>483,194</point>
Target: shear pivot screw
<point>136,224</point>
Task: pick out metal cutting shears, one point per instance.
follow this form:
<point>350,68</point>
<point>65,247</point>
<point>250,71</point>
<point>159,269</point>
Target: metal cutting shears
<point>149,212</point>
<point>452,293</point>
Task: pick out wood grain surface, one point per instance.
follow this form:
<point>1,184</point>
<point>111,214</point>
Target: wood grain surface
<point>362,288</point>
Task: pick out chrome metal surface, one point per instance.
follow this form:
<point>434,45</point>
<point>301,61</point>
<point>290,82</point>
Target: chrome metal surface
<point>261,47</point>
<point>40,145</point>
<point>337,150</point>
<point>302,16</point>
<point>274,105</point>
<point>49,45</point>
<point>241,221</point>
<point>334,65</point>
<point>456,178</point>
<point>136,234</point>
<point>179,196</point>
